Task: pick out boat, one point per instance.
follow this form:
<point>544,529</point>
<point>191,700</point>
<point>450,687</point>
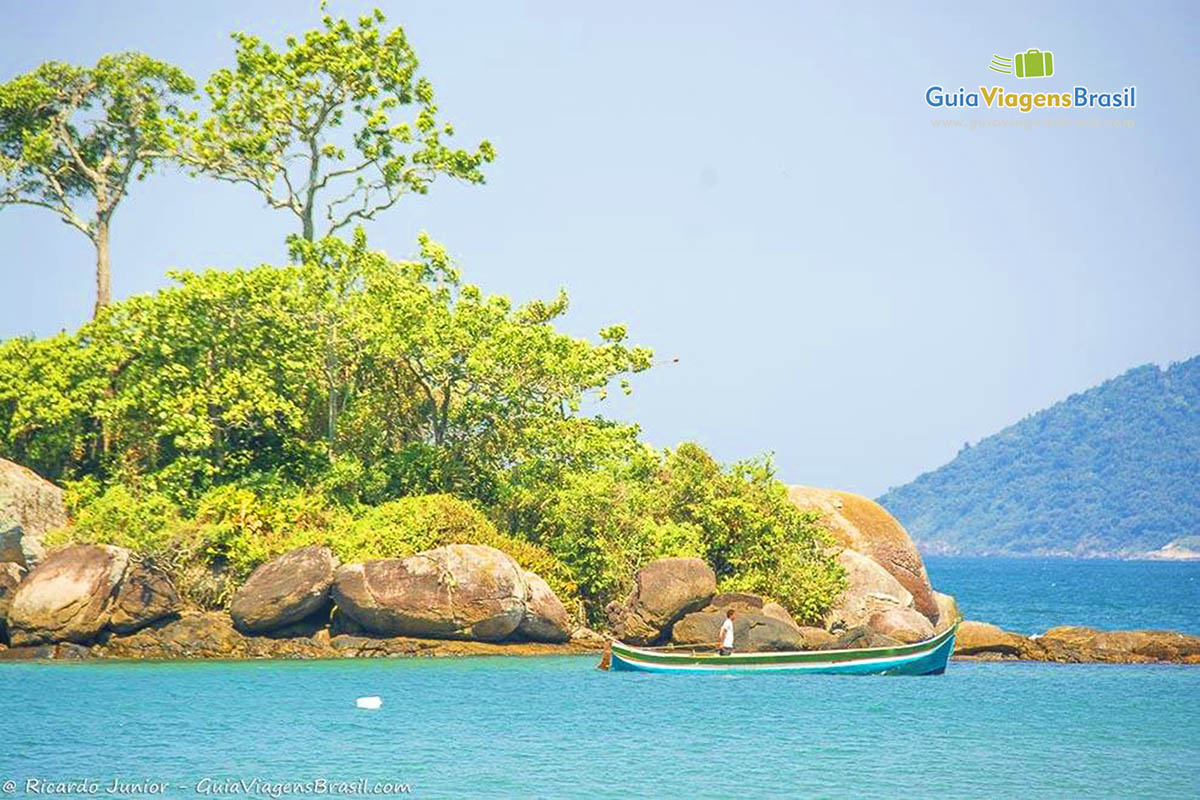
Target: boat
<point>928,657</point>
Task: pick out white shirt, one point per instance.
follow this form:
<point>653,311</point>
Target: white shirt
<point>727,633</point>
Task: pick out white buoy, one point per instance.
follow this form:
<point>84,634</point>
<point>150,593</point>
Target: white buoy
<point>369,702</point>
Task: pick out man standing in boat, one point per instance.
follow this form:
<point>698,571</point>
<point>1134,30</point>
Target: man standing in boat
<point>726,635</point>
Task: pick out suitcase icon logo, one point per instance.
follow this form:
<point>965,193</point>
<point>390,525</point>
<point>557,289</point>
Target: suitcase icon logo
<point>1033,63</point>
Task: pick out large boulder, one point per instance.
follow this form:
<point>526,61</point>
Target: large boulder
<point>776,611</point>
<point>30,507</point>
<point>987,641</point>
<point>948,611</point>
<point>869,589</point>
<point>663,592</point>
<point>460,591</point>
<point>81,591</point>
<point>902,624</point>
<point>145,595</point>
<point>10,577</point>
<point>546,618</point>
<point>284,590</point>
<point>866,527</point>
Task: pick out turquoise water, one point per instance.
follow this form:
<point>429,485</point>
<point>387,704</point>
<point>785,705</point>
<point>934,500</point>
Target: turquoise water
<point>1030,595</point>
<point>556,727</point>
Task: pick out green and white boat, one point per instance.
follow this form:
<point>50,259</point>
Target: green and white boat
<point>922,658</point>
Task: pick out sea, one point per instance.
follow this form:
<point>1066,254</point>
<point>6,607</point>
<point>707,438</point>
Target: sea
<point>557,727</point>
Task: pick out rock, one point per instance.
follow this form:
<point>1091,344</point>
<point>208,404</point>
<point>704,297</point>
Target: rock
<point>948,611</point>
<point>284,590</point>
<point>546,619</point>
<point>860,637</point>
<point>742,601</point>
<point>983,640</point>
<point>10,576</point>
<point>30,507</point>
<point>194,635</point>
<point>461,591</point>
<point>815,638</point>
<point>68,597</point>
<point>869,589</point>
<point>664,591</point>
<point>776,611</point>
<point>82,591</point>
<point>866,527</point>
<point>902,624</point>
<point>341,625</point>
<point>586,637</point>
<point>145,595</point>
<point>1076,644</point>
<point>751,632</point>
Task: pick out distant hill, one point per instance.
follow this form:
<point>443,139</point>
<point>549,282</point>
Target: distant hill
<point>1112,471</point>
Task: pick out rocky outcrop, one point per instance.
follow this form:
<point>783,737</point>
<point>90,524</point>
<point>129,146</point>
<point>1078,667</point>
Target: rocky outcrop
<point>30,507</point>
<point>664,591</point>
<point>10,576</point>
<point>987,641</point>
<point>546,618</point>
<point>80,591</point>
<point>948,611</point>
<point>866,527</point>
<point>869,589</point>
<point>902,624</point>
<point>1074,644</point>
<point>285,590</point>
<point>461,591</point>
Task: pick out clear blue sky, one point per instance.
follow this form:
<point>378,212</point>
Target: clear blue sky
<point>758,191</point>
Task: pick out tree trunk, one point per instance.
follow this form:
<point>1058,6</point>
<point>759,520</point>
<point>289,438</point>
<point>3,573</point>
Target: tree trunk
<point>307,220</point>
<point>103,271</point>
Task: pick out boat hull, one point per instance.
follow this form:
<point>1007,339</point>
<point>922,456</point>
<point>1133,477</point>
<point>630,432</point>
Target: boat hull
<point>923,658</point>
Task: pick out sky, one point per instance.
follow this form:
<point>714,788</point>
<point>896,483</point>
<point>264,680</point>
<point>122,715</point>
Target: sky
<point>760,192</point>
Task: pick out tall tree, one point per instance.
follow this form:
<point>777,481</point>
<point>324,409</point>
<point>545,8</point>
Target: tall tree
<point>316,127</point>
<point>72,138</point>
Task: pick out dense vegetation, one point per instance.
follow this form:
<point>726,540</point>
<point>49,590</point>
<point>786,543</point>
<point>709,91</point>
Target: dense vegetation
<point>379,406</point>
<point>1110,471</point>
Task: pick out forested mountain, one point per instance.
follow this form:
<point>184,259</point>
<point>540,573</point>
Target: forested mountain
<point>1114,470</point>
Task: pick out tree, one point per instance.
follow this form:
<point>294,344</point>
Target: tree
<point>315,128</point>
<point>73,137</point>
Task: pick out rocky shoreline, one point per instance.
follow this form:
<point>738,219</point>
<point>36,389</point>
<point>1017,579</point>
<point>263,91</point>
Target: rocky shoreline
<point>96,601</point>
<point>212,636</point>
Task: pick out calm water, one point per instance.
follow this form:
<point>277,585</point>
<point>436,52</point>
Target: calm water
<point>556,727</point>
<point>1030,595</point>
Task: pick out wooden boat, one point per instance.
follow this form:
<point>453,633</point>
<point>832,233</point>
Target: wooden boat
<point>923,658</point>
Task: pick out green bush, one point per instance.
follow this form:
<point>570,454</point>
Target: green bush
<point>606,524</point>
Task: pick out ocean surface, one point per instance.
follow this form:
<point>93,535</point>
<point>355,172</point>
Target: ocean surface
<point>556,727</point>
<point>1031,595</point>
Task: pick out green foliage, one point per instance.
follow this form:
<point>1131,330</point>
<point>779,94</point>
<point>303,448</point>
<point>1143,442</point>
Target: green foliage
<point>607,523</point>
<point>380,407</point>
<point>317,127</point>
<point>1109,471</point>
<point>72,138</point>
